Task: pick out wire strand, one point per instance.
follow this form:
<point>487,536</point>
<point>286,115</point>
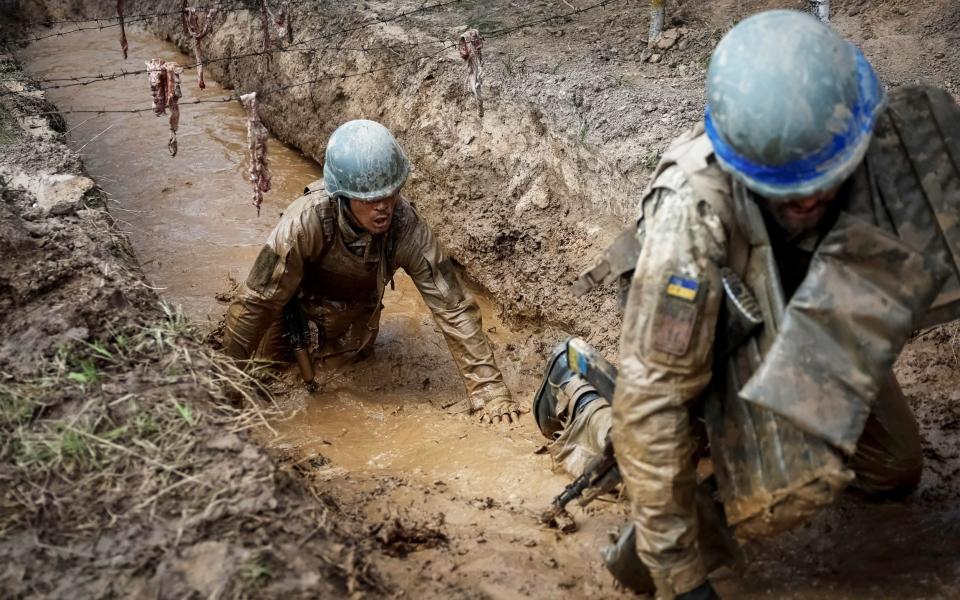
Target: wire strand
<point>265,92</point>
<point>446,44</point>
<point>147,16</point>
<point>87,79</point>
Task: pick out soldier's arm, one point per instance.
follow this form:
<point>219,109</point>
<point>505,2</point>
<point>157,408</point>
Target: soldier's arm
<point>455,312</point>
<point>666,354</point>
<point>274,277</point>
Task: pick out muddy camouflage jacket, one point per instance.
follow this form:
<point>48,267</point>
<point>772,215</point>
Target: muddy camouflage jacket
<point>826,352</point>
<point>340,272</point>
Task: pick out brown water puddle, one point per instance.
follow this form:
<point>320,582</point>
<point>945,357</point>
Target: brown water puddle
<point>189,217</point>
<point>191,224</point>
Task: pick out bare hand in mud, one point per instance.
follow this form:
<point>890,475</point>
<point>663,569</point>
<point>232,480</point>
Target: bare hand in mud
<point>501,410</point>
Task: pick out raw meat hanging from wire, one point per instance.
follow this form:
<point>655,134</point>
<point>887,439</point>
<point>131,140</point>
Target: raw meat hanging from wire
<point>279,20</point>
<point>257,141</point>
<point>123,31</point>
<point>197,30</point>
<point>471,50</point>
<point>165,92</point>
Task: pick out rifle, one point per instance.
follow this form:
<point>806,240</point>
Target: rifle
<point>601,475</point>
<point>298,332</point>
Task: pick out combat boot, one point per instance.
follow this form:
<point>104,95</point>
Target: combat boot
<point>704,591</point>
<point>562,394</point>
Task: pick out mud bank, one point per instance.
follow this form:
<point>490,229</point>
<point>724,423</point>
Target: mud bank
<point>126,466</point>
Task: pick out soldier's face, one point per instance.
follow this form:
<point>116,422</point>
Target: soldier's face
<point>803,214</point>
<point>374,216</point>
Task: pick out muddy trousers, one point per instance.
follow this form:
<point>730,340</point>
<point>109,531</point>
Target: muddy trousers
<point>659,438</point>
<point>584,438</point>
<point>339,331</point>
<point>888,460</point>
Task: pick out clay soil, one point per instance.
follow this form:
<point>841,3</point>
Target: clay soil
<point>138,461</point>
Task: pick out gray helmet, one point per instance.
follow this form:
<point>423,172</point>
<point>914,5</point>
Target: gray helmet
<point>790,105</point>
<point>364,162</point>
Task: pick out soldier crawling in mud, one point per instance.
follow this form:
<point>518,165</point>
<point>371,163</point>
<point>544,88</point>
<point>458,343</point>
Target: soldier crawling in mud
<point>331,256</point>
<point>786,250</point>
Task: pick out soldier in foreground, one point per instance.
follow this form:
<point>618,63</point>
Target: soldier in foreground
<point>786,250</point>
<point>331,256</point>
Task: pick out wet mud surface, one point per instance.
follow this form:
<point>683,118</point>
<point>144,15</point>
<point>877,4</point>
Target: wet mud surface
<point>448,507</point>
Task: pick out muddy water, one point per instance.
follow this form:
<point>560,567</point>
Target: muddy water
<point>383,444</point>
<point>189,217</point>
<point>192,226</point>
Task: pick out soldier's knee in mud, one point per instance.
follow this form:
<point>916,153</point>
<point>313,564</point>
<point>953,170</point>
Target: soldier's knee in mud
<point>890,479</point>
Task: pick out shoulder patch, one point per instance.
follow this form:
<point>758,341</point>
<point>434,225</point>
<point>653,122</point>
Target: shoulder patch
<point>262,271</point>
<point>683,288</point>
<point>676,317</point>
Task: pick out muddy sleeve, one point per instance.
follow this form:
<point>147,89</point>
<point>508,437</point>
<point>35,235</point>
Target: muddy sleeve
<point>455,312</point>
<point>666,353</point>
<point>274,277</point>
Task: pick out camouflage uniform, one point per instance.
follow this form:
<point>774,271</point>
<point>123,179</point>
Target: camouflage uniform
<point>691,227</point>
<point>667,363</point>
<point>339,271</point>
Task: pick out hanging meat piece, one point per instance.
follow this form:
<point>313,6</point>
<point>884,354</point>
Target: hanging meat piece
<point>281,23</point>
<point>173,103</point>
<point>123,31</point>
<point>265,23</point>
<point>165,92</point>
<point>279,20</point>
<point>197,30</point>
<point>158,85</point>
<point>257,141</point>
<point>471,46</point>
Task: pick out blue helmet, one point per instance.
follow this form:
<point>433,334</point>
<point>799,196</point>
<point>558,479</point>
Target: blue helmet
<point>790,105</point>
<point>364,162</point>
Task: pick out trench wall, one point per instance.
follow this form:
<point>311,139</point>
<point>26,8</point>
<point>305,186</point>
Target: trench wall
<point>520,206</point>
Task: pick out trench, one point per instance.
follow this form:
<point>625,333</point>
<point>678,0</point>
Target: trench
<point>371,439</point>
<point>371,433</point>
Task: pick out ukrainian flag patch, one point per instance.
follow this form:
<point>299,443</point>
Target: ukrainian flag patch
<point>683,288</point>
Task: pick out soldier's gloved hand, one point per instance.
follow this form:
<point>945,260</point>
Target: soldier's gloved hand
<point>500,409</point>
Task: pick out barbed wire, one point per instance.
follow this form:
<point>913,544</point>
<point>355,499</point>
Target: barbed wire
<point>127,20</point>
<point>446,45</point>
<point>88,79</point>
<point>81,80</point>
<point>265,92</point>
<point>138,18</point>
<point>525,25</point>
<point>52,22</point>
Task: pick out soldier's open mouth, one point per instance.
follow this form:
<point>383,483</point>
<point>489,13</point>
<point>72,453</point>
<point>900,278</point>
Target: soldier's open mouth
<point>797,213</point>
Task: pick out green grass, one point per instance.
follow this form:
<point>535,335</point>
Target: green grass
<point>510,64</point>
<point>651,159</point>
<point>9,131</point>
<point>584,130</point>
<point>185,413</point>
<point>257,572</point>
<point>57,445</point>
